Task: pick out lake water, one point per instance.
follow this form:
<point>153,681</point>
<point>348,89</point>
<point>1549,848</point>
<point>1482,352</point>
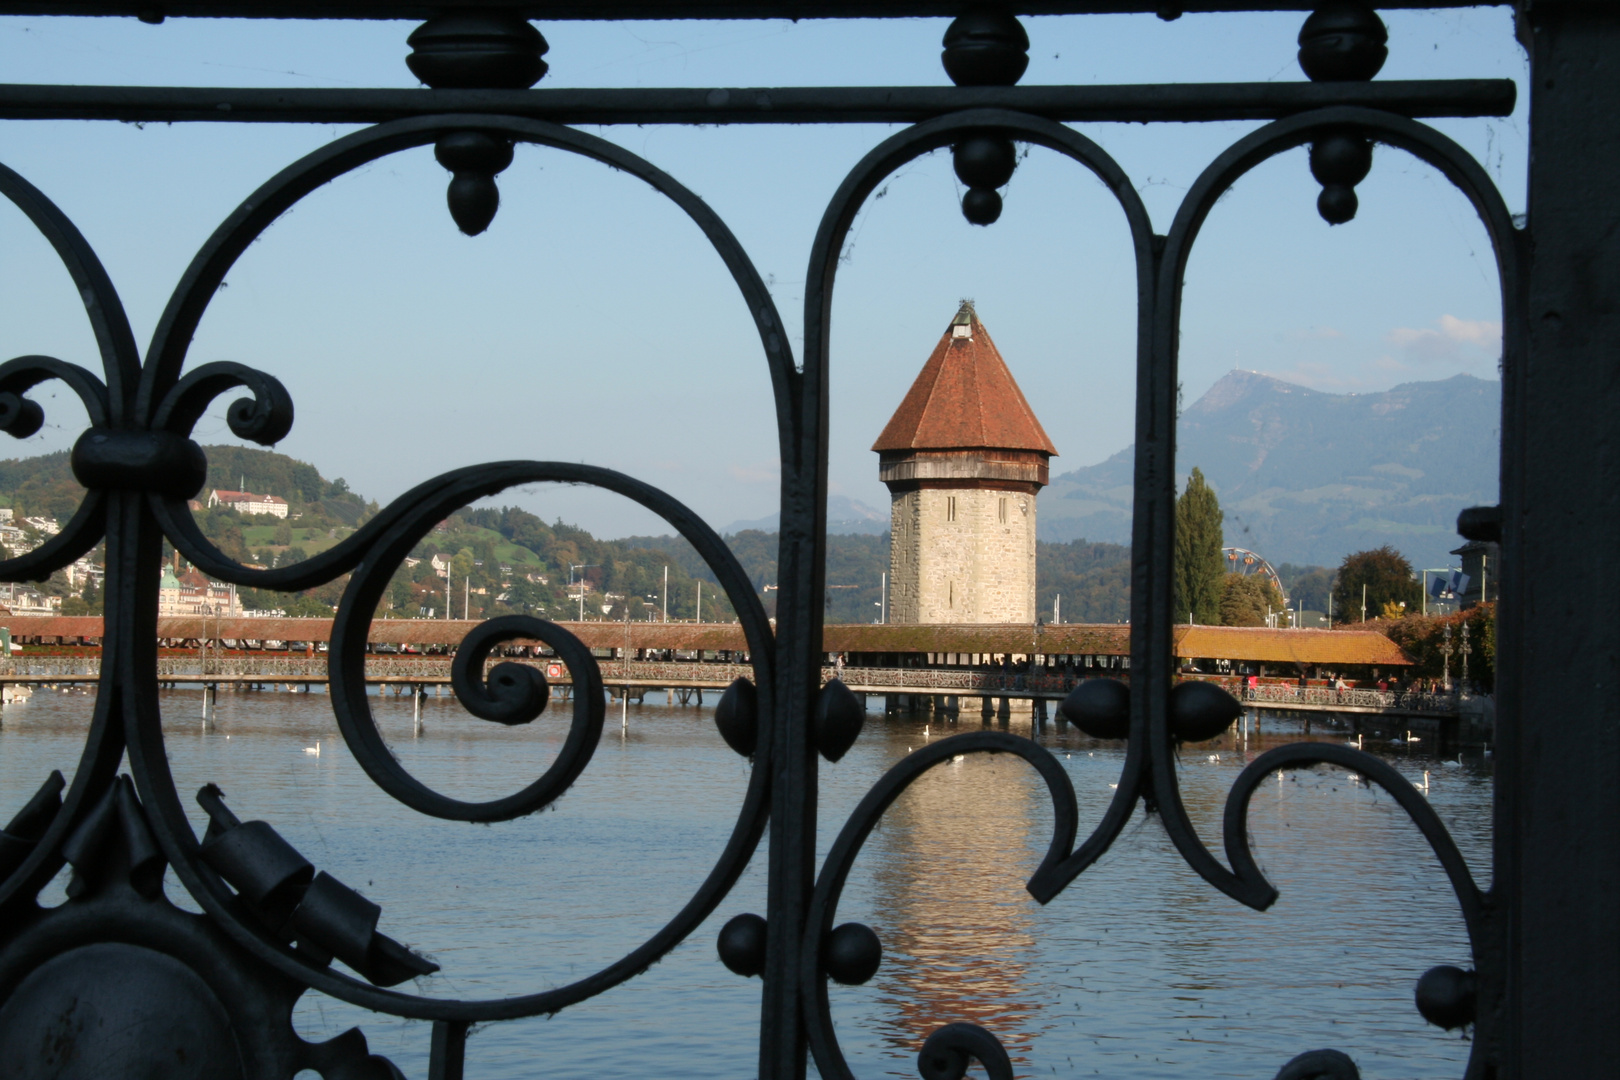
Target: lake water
<point>1139,969</point>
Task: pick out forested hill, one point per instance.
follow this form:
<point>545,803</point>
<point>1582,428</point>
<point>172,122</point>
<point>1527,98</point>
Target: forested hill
<point>511,560</point>
<point>45,486</point>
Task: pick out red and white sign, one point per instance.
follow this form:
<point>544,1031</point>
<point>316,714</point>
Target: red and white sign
<point>554,671</point>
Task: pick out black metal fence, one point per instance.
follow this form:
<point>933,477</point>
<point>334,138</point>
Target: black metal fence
<point>1542,995</point>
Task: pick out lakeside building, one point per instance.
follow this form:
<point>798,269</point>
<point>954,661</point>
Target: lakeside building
<point>246,502</point>
<point>194,593</point>
<point>963,457</point>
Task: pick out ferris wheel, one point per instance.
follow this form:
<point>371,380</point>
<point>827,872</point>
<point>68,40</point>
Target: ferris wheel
<point>1243,561</point>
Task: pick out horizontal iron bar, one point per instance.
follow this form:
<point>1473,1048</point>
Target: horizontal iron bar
<point>565,10</point>
<point>789,105</point>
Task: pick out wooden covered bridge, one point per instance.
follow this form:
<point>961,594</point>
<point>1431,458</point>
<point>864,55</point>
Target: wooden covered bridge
<point>913,666</point>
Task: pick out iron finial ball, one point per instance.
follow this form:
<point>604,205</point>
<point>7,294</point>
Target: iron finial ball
<point>981,206</point>
<point>985,47</point>
<point>1446,996</point>
<point>742,944</point>
<point>1199,711</point>
<point>737,716</point>
<point>984,161</point>
<point>840,715</point>
<point>477,51</point>
<point>1099,707</point>
<point>1339,162</point>
<point>852,953</point>
<point>1343,41</point>
<point>473,158</point>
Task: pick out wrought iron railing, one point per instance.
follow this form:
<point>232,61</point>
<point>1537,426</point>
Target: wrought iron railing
<point>271,927</point>
<point>1409,700</point>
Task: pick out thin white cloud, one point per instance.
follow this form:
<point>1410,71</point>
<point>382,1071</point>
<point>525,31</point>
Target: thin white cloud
<point>1454,339</point>
<point>755,474</point>
<point>1317,333</point>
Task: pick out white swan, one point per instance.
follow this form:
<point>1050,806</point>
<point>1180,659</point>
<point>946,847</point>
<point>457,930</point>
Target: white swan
<point>316,749</point>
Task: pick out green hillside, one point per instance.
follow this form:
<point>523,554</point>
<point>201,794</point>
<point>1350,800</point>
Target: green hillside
<point>509,560</point>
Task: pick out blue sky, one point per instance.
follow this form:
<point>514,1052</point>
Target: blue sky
<point>592,323</point>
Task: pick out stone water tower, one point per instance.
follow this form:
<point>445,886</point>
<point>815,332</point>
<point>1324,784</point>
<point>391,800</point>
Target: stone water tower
<point>963,457</point>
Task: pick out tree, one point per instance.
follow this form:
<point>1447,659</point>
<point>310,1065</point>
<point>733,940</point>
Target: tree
<point>1246,600</point>
<point>1387,578</point>
<point>1200,574</point>
<point>1310,586</point>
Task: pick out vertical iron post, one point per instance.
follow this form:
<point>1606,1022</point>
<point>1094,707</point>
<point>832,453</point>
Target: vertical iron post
<point>1558,819</point>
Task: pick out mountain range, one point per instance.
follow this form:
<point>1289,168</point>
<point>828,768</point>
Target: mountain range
<point>845,517</point>
<point>1308,477</point>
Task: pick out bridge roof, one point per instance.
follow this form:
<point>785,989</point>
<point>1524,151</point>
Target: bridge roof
<point>1257,644</point>
<point>964,399</point>
<point>1264,645</point>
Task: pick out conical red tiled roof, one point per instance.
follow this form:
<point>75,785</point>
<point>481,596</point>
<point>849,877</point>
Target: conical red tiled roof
<point>965,398</point>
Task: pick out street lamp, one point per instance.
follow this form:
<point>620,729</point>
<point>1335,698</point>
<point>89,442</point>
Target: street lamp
<point>580,566</point>
<point>1466,649</point>
<point>1446,651</point>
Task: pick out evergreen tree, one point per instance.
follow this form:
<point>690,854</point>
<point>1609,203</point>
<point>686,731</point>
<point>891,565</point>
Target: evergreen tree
<point>1200,574</point>
<point>1246,600</point>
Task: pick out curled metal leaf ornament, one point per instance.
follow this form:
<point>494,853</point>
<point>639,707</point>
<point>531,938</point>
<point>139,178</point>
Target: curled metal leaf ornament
<point>946,1054</point>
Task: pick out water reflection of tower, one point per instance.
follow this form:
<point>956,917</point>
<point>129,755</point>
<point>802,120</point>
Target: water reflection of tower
<point>950,861</point>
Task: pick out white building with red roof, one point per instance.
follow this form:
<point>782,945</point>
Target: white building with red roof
<point>246,502</point>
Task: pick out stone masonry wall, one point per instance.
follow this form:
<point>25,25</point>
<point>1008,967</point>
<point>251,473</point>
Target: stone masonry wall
<point>966,567</point>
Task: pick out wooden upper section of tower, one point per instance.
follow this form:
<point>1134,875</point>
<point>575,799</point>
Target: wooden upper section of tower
<point>964,399</point>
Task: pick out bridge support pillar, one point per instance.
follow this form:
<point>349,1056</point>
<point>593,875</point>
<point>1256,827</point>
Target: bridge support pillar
<point>987,707</point>
<point>1004,711</point>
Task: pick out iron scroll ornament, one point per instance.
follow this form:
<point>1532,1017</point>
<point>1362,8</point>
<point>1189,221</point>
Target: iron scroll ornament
<point>1155,489</point>
<point>127,711</point>
<point>136,472</point>
<point>1148,772</point>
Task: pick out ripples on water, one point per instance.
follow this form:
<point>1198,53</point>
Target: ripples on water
<point>1138,969</point>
